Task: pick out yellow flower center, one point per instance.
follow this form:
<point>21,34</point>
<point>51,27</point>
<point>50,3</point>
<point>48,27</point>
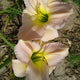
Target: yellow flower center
<point>42,16</point>
<point>38,58</point>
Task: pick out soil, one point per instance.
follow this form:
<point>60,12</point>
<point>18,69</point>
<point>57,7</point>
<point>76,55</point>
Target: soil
<point>71,32</point>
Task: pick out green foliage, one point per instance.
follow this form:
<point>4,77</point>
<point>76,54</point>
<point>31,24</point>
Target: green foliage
<point>16,78</point>
<point>74,58</point>
<point>77,2</point>
<point>74,1</point>
<point>6,62</point>
<point>65,0</point>
<point>7,42</point>
<point>11,10</point>
<point>14,10</point>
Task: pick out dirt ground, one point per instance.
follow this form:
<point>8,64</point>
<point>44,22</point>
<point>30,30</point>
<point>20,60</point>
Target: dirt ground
<point>71,29</point>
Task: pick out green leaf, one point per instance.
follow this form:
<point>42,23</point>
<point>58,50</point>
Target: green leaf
<point>5,11</point>
<point>8,20</point>
<point>77,2</point>
<point>6,62</point>
<point>6,41</point>
<point>16,78</point>
<point>65,0</point>
<point>11,10</point>
<point>18,5</point>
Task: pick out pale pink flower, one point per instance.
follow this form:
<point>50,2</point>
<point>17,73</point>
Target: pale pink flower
<point>34,60</point>
<point>41,18</point>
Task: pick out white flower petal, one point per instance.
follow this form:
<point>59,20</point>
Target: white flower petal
<point>30,5</point>
<point>60,13</point>
<point>19,68</point>
<point>37,73</point>
<point>55,58</point>
<point>50,1</point>
<point>31,33</point>
<point>32,73</point>
<point>59,7</point>
<point>26,18</point>
<point>50,34</point>
<point>45,1</point>
<point>51,69</point>
<point>55,53</point>
<point>51,47</point>
<point>22,52</point>
<point>34,46</point>
<point>58,20</point>
<point>28,30</point>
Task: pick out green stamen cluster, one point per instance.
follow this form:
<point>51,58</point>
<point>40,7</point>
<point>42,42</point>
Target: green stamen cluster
<point>43,17</point>
<point>36,56</point>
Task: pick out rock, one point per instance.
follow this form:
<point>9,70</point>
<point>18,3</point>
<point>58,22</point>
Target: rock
<point>68,72</point>
<point>71,21</point>
<point>2,70</point>
<point>60,69</point>
<point>5,2</point>
<point>60,73</point>
<point>78,68</point>
<point>52,77</point>
<point>76,71</point>
<point>3,50</point>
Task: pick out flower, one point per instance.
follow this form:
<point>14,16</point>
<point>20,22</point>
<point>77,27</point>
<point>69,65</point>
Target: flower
<point>34,60</point>
<point>42,18</point>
